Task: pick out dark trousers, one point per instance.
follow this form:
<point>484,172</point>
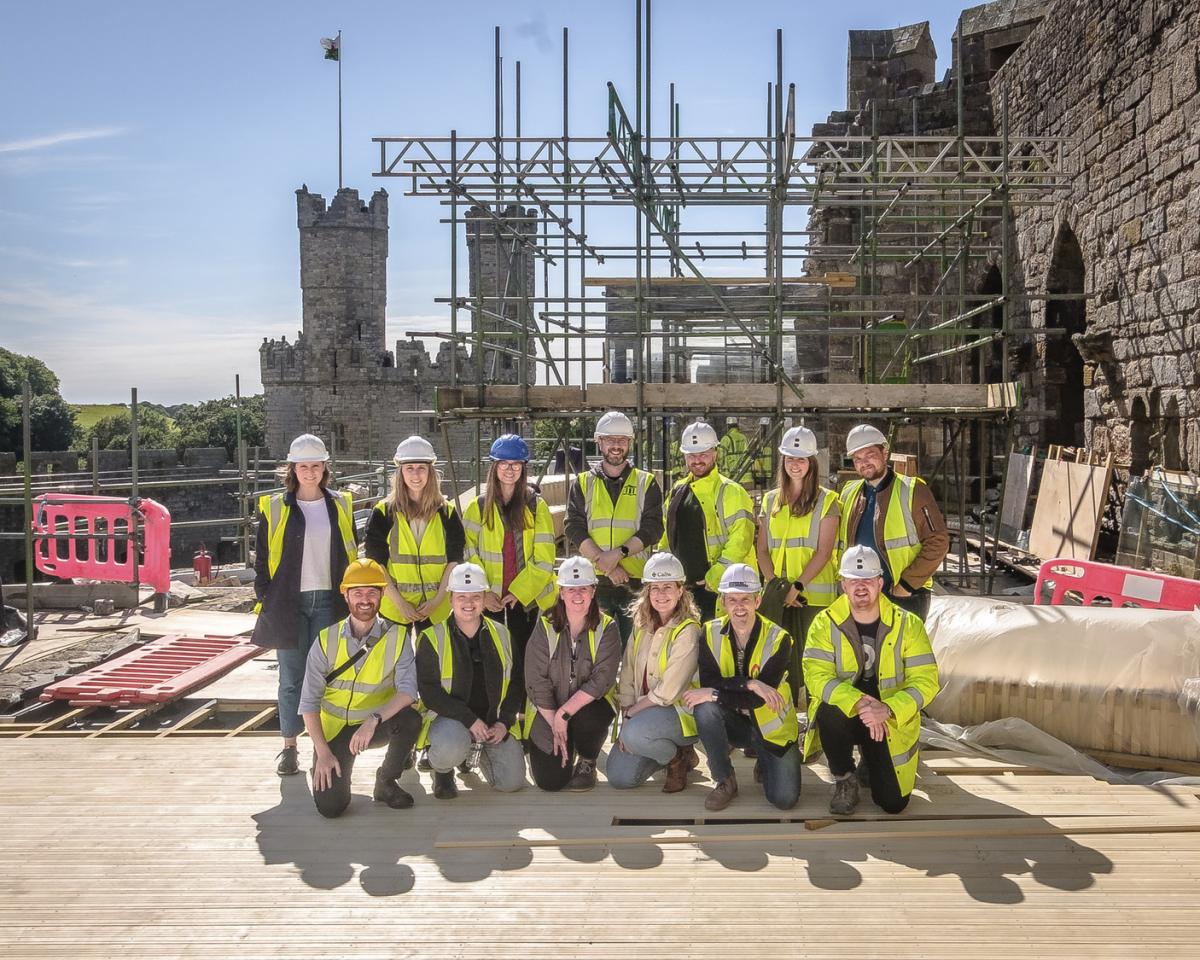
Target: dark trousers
<point>398,732</point>
<point>520,623</point>
<point>840,734</point>
<point>796,621</point>
<point>720,729</point>
<point>615,600</point>
<point>586,732</point>
<point>917,602</point>
<point>706,601</point>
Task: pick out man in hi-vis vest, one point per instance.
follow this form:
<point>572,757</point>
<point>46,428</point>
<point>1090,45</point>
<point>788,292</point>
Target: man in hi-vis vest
<point>897,517</point>
<point>360,684</point>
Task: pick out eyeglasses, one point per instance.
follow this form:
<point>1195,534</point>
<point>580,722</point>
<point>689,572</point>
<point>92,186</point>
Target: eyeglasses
<point>509,465</point>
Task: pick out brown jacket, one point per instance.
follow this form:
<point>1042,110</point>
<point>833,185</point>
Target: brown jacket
<point>931,529</point>
<point>665,686</point>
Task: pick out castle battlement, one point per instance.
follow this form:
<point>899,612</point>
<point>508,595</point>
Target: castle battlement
<point>346,210</point>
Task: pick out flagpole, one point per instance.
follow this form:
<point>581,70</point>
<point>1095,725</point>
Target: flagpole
<point>339,63</point>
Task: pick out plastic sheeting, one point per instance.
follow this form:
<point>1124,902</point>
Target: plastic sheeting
<point>1124,680</point>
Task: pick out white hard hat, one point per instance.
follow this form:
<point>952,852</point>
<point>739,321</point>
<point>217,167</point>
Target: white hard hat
<point>764,421</point>
<point>307,449</point>
<point>467,578</point>
<point>415,450</point>
<point>614,424</point>
<point>860,563</point>
<point>739,578</point>
<point>698,437</point>
<point>798,442</point>
<point>864,435</point>
<point>731,421</point>
<point>577,572</point>
<point>663,568</point>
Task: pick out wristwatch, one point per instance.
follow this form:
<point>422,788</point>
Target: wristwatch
<point>624,550</point>
<point>566,715</point>
<point>378,716</point>
<point>799,585</point>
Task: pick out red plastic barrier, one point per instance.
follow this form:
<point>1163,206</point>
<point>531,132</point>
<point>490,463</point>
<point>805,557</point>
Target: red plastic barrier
<point>162,670</point>
<point>94,551</point>
<point>1122,586</point>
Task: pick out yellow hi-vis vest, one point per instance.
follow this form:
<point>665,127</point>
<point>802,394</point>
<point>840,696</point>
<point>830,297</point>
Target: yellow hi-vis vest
<point>728,523</point>
<point>534,581</point>
<point>732,449</point>
<point>415,567</point>
<point>900,540</point>
<point>362,689</point>
<point>778,728</point>
<point>273,507</point>
<point>907,673</point>
<point>609,524</point>
<point>553,637</point>
<point>793,540</point>
<point>686,720</point>
<point>438,636</point>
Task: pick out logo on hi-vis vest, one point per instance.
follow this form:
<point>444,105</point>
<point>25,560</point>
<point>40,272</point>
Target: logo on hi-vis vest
<point>630,489</point>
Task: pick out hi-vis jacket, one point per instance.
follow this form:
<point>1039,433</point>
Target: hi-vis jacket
<point>359,690</point>
<point>611,524</point>
<point>416,566</point>
<point>728,523</point>
<point>778,728</point>
<point>907,673</point>
<point>793,540</point>
<point>908,526</point>
<point>534,582</point>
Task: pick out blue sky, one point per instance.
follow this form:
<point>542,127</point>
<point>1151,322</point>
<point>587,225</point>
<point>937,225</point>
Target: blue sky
<point>149,151</point>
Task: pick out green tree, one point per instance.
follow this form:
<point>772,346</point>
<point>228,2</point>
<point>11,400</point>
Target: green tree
<point>51,420</point>
<point>155,431</point>
<point>213,423</point>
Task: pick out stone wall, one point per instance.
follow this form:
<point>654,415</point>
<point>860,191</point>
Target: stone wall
<point>1118,77</point>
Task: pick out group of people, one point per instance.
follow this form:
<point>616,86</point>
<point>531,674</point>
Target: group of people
<point>678,620</point>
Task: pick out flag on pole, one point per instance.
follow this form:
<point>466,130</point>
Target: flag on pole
<point>333,47</point>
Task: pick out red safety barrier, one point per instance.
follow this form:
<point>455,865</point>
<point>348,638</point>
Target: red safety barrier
<point>1088,581</point>
<point>161,671</point>
<point>82,536</point>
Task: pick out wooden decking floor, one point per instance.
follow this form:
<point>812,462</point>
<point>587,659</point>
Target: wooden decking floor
<point>130,848</point>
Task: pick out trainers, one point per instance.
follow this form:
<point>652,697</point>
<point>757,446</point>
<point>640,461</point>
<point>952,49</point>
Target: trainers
<point>388,791</point>
<point>584,777</point>
<point>443,786</point>
<point>289,762</point>
<point>845,797</point>
<point>722,794</point>
<point>423,764</point>
<point>862,773</point>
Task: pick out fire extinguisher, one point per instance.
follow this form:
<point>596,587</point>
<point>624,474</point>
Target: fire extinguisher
<point>202,565</point>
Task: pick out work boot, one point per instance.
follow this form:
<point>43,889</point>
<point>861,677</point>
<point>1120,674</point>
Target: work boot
<point>584,777</point>
<point>389,791</point>
<point>750,753</point>
<point>722,794</point>
<point>690,757</point>
<point>289,762</point>
<point>444,787</point>
<point>677,771</point>
<point>862,773</point>
<point>845,796</point>
<point>423,764</point>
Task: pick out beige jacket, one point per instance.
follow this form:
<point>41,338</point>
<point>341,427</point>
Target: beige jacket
<point>642,656</point>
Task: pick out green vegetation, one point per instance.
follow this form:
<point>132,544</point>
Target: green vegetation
<point>52,420</point>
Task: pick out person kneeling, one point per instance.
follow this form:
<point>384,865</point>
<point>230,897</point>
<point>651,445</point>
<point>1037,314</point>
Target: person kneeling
<point>745,697</point>
<point>657,729</point>
<point>570,673</point>
<point>465,668</point>
<point>360,685</point>
<point>869,670</point>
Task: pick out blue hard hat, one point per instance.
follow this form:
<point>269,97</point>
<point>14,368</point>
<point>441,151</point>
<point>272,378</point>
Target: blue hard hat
<point>510,447</point>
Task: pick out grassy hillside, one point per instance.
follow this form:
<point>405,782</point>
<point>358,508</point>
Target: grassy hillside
<point>86,414</point>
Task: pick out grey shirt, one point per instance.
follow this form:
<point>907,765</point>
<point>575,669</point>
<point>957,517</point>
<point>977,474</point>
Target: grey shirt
<point>404,677</point>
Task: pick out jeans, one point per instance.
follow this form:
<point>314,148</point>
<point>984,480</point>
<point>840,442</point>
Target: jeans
<point>316,613</point>
<point>721,729</point>
<point>917,602</point>
<point>651,739</point>
<point>399,733</point>
<point>586,731</point>
<point>840,734</point>
<point>615,600</point>
<point>502,764</point>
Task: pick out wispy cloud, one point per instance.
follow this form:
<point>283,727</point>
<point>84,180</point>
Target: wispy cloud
<point>74,263</point>
<point>57,139</point>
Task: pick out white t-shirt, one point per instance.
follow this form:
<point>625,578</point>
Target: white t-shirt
<point>314,570</point>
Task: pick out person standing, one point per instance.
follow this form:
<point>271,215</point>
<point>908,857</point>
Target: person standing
<point>745,697</point>
<point>305,540</point>
<point>657,727</point>
<point>465,672</point>
<point>418,537</point>
<point>510,534</point>
<point>710,519</point>
<point>797,538</point>
<point>360,685</point>
<point>732,451</point>
<point>870,670</point>
<point>614,518</point>
<point>761,468</point>
<point>897,517</point>
<point>571,664</point>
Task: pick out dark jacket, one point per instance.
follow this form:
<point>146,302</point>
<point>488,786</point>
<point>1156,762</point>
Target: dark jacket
<point>379,529</point>
<point>278,621</point>
<point>731,691</point>
<point>650,529</point>
<point>454,703</point>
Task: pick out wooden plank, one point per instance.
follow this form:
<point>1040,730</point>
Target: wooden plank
<point>840,280</point>
<point>1071,500</point>
<point>198,715</point>
<point>58,722</point>
<point>255,721</point>
<point>1015,507</point>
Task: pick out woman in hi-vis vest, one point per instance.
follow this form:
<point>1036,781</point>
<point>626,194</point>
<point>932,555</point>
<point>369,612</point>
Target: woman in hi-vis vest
<point>797,537</point>
<point>416,535</point>
<point>305,541</point>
